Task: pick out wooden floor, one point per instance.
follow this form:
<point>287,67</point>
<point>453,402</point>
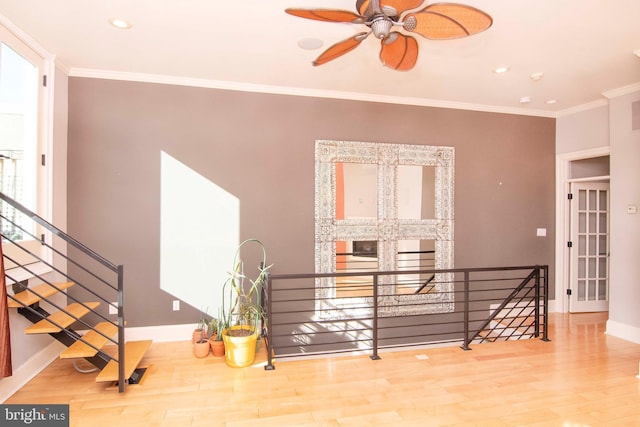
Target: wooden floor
<point>581,378</point>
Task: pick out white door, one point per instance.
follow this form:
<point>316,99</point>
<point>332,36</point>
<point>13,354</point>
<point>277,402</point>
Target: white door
<point>589,272</point>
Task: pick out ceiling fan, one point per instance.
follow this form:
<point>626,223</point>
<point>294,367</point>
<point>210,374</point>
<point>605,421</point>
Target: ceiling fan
<point>437,21</point>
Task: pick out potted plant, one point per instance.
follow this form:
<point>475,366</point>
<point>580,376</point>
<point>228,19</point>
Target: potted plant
<point>215,340</point>
<point>200,331</point>
<point>242,312</point>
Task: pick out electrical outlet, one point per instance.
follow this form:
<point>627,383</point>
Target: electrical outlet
<point>176,305</point>
<point>113,308</point>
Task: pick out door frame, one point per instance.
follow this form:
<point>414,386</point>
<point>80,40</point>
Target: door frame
<point>587,306</point>
<point>563,162</point>
<point>27,47</point>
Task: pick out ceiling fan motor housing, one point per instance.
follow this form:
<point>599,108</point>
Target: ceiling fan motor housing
<point>381,26</point>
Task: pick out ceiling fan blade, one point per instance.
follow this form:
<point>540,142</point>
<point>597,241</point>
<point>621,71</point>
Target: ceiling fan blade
<point>441,21</point>
<point>340,49</point>
<point>366,8</point>
<point>328,15</point>
<point>402,5</point>
<point>399,51</point>
<point>362,6</point>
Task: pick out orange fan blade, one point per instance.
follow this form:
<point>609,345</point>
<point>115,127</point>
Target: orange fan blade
<point>399,5</point>
<point>399,51</point>
<point>447,21</point>
<point>362,6</point>
<point>328,15</point>
<point>340,49</point>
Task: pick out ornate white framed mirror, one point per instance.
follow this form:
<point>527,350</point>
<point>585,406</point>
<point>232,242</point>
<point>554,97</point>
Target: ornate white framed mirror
<point>376,201</point>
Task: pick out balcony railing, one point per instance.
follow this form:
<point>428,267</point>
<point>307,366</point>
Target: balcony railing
<point>474,305</point>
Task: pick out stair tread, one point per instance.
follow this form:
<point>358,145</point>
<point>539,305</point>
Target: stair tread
<point>61,318</point>
<point>134,352</point>
<point>46,290</point>
<point>82,349</point>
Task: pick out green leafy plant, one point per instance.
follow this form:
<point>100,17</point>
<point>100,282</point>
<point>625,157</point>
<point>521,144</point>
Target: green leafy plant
<point>216,326</point>
<point>202,328</point>
<point>242,295</point>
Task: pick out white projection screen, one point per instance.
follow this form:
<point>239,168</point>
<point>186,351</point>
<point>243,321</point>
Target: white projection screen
<point>199,233</point>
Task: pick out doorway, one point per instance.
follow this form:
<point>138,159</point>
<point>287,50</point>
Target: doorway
<point>589,252</point>
<point>23,176</point>
<point>583,168</point>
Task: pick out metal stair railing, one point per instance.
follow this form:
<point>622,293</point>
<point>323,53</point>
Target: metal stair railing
<point>297,327</point>
<point>92,265</point>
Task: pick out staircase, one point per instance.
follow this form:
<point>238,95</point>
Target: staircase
<point>518,316</point>
<point>513,322</point>
<point>90,324</point>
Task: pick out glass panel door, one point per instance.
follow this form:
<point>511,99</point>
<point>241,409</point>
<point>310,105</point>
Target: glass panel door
<point>589,282</point>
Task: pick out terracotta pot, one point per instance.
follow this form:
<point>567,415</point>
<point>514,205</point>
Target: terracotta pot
<point>198,334</point>
<point>217,347</point>
<point>201,349</point>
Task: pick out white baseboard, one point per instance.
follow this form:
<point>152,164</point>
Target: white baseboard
<point>164,333</point>
<point>29,369</point>
<point>621,330</point>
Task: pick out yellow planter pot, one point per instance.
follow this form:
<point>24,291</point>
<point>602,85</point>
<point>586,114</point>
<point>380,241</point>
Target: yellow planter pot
<point>239,351</point>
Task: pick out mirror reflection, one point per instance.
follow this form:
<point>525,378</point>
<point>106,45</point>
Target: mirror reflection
<point>416,255</point>
<point>355,256</point>
<point>383,207</point>
<point>416,192</point>
<point>356,190</point>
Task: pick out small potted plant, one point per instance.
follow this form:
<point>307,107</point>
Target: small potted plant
<point>201,340</point>
<point>215,340</point>
<point>242,312</point>
<point>200,331</point>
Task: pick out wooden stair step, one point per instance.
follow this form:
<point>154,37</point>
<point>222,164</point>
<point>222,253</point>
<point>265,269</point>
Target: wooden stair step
<point>134,351</point>
<point>61,318</point>
<point>82,349</point>
<point>27,297</point>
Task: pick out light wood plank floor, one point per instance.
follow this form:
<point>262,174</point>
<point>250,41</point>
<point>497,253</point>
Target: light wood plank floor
<point>582,378</point>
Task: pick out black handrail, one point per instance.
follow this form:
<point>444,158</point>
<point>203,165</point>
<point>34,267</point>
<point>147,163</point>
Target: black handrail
<point>118,270</point>
<point>472,296</point>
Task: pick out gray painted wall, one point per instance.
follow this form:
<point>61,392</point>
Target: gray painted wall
<point>260,147</point>
<point>624,318</point>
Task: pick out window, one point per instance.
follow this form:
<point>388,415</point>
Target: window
<point>22,102</point>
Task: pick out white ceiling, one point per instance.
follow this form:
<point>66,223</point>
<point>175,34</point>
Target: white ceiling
<point>583,47</point>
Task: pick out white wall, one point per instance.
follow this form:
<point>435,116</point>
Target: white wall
<point>589,131</point>
<point>583,131</point>
<point>624,312</point>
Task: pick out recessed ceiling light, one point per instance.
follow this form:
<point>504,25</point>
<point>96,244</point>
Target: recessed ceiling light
<point>525,99</point>
<point>550,101</point>
<point>501,70</point>
<point>309,43</point>
<point>536,76</point>
<point>120,23</point>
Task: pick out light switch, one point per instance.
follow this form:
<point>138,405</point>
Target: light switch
<point>541,232</point>
<point>632,209</point>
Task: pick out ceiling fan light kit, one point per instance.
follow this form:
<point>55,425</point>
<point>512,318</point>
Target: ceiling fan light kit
<point>436,21</point>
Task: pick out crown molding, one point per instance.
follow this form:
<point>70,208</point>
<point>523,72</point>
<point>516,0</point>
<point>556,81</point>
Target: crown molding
<point>26,39</point>
<point>582,107</point>
<point>625,90</point>
<point>283,90</point>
